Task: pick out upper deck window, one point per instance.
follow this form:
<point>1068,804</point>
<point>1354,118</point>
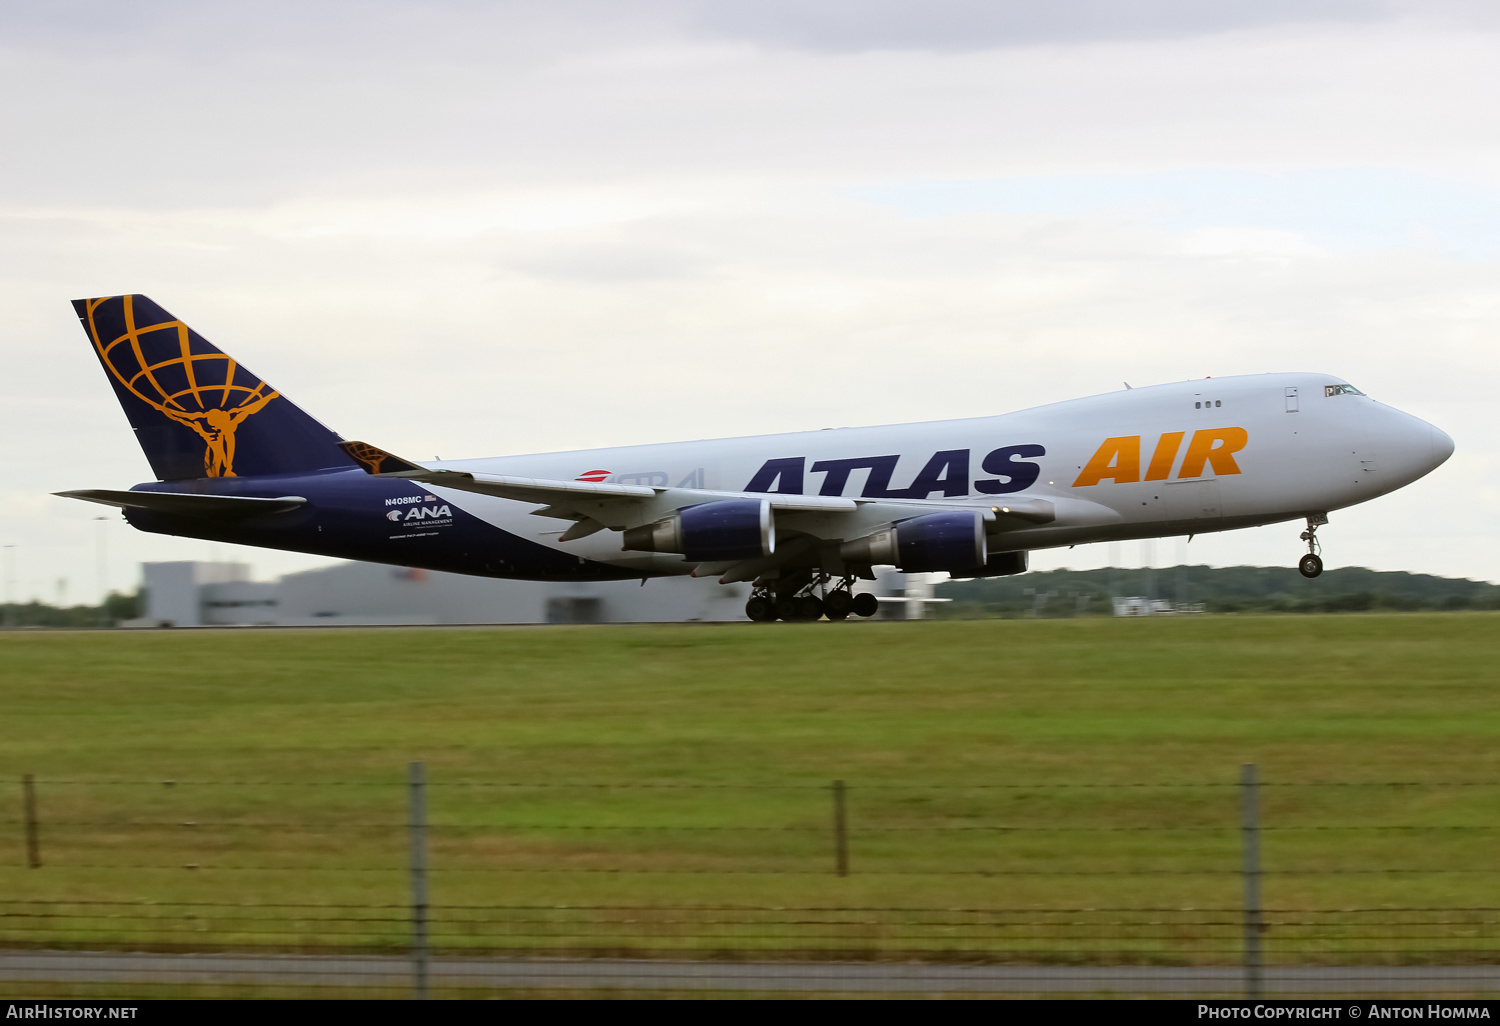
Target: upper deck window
<point>1341,390</point>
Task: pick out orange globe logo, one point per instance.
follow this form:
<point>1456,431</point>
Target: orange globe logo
<point>181,376</point>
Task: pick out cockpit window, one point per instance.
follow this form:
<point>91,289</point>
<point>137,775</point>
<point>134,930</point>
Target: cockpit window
<point>1341,390</point>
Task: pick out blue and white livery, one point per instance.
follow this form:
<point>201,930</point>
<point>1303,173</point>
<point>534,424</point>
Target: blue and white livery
<point>802,516</point>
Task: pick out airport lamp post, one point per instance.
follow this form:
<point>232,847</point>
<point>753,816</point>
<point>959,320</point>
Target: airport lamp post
<point>101,571</point>
<point>10,585</point>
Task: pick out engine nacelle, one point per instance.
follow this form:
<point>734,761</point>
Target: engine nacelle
<point>1000,564</point>
<point>712,531</point>
<point>938,541</point>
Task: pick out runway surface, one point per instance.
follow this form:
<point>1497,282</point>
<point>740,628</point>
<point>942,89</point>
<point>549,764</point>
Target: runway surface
<point>386,971</point>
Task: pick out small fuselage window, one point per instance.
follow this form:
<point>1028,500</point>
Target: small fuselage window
<point>1331,390</point>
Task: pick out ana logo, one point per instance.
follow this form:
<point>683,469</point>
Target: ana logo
<point>592,476</point>
<point>421,513</point>
<point>208,392</point>
<point>1119,459</point>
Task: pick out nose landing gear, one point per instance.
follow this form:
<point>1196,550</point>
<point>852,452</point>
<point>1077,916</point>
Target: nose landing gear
<point>1311,565</point>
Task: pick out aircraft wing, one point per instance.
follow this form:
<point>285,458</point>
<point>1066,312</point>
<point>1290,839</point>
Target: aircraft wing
<point>617,506</point>
<point>575,494</point>
<point>804,521</point>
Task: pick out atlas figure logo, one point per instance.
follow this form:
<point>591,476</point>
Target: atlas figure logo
<point>207,391</point>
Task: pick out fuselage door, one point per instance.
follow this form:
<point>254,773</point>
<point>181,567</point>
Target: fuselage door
<point>1291,400</point>
<point>1193,502</point>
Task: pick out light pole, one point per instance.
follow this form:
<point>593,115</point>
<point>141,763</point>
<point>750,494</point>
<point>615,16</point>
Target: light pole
<point>101,570</point>
<point>10,585</point>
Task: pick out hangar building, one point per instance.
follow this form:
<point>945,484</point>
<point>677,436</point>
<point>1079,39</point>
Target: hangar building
<point>190,594</point>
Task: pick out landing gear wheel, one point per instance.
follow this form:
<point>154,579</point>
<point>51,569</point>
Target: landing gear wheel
<point>786,608</point>
<point>1311,565</point>
<point>837,605</point>
<point>760,609</point>
<point>864,604</point>
<point>809,608</point>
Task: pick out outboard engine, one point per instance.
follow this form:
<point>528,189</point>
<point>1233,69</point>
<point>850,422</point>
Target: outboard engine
<point>938,541</point>
<point>712,531</point>
<point>1000,564</point>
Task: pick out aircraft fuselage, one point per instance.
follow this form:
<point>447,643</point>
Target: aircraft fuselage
<point>1183,458</point>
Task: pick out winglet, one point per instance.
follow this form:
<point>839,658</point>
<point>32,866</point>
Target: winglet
<point>377,461</point>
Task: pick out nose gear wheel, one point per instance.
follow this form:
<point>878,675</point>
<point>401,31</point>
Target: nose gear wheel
<point>1311,565</point>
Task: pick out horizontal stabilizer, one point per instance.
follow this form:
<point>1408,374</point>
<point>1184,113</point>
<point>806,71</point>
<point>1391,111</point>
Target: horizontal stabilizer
<point>185,504</point>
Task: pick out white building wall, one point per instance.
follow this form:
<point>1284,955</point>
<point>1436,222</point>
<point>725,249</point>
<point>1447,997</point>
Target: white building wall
<point>171,594</point>
<point>368,593</point>
<point>239,602</point>
<point>190,594</point>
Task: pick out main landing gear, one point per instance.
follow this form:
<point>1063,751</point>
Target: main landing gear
<point>798,601</point>
<point>1311,565</point>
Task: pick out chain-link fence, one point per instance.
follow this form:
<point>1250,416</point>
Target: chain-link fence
<point>468,887</point>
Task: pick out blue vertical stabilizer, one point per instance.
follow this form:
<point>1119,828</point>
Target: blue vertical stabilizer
<point>196,411</point>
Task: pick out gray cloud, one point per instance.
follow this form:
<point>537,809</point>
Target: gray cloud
<point>643,219</point>
<point>847,25</point>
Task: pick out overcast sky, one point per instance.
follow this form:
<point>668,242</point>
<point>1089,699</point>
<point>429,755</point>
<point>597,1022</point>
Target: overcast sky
<point>478,228</point>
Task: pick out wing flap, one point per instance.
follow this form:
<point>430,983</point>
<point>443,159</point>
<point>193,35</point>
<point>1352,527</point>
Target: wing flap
<point>616,505</point>
<point>532,489</point>
<point>622,506</point>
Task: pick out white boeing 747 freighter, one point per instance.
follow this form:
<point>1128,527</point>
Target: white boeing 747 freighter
<point>802,516</point>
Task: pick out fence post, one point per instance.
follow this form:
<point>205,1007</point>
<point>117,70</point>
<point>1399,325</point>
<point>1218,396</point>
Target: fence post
<point>417,794</point>
<point>33,841</point>
<point>1250,831</point>
<point>840,830</point>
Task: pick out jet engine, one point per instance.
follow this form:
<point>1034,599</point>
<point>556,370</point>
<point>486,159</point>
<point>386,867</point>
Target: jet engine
<point>712,531</point>
<point>938,541</point>
<point>1000,564</point>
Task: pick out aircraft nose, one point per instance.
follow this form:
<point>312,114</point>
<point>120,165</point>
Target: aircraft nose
<point>1402,447</point>
<point>1442,446</point>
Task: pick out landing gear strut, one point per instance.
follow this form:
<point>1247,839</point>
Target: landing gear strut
<point>796,599</point>
<point>838,604</point>
<point>1311,565</point>
<point>761,608</point>
<point>841,601</point>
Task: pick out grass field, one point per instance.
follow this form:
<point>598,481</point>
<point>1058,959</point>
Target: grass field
<point>1086,763</point>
